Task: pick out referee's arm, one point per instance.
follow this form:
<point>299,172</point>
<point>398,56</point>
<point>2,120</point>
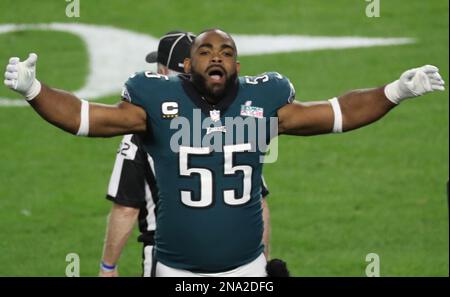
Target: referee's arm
<point>120,225</point>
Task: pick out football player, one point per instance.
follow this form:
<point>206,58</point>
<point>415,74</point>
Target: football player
<point>132,186</point>
<point>209,212</point>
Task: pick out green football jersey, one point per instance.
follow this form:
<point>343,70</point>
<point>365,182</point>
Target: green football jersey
<point>207,163</point>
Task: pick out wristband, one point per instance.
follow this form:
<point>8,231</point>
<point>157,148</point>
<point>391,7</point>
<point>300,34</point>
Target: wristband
<point>83,130</point>
<point>337,126</point>
<point>107,268</point>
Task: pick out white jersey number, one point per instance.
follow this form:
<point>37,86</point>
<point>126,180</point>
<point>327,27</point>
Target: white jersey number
<point>206,176</point>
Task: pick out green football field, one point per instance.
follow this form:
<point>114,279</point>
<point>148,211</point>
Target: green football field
<point>334,199</point>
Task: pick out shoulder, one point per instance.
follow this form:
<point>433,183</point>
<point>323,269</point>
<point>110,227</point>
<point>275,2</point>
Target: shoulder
<point>140,84</point>
<point>148,79</point>
<point>271,84</point>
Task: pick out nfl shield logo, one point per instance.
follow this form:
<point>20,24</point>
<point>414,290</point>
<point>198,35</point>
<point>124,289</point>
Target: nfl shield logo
<point>214,115</point>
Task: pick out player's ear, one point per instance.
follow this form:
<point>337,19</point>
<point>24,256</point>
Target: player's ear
<point>163,69</point>
<point>238,66</point>
<point>187,65</point>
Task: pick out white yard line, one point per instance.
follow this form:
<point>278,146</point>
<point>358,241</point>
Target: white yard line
<point>114,54</point>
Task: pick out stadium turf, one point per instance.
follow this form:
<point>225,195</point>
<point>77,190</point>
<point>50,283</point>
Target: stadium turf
<point>334,199</point>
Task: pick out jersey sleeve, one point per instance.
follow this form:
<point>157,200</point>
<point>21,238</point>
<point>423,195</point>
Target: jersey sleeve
<point>133,89</point>
<point>283,87</point>
<point>280,89</point>
<point>148,90</point>
<point>274,89</point>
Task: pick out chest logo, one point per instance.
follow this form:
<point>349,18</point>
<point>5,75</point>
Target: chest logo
<point>169,109</point>
<point>252,111</point>
<point>214,115</point>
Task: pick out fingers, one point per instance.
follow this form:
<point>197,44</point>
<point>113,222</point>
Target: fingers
<point>409,74</point>
<point>12,68</point>
<point>435,75</point>
<point>11,83</point>
<point>429,69</point>
<point>430,77</point>
<point>421,79</point>
<point>438,88</point>
<point>11,75</point>
<point>438,82</point>
<point>14,60</point>
<point>31,61</point>
<point>8,83</point>
<point>434,80</point>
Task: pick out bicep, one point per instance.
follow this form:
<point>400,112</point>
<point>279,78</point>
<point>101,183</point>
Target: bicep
<point>119,119</point>
<point>309,118</point>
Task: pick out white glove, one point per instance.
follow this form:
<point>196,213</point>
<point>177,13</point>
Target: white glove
<point>415,82</point>
<point>21,76</point>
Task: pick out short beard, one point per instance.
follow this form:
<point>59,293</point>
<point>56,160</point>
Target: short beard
<point>212,96</point>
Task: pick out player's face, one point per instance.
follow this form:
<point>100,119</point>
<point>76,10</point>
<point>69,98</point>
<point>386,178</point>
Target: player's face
<point>213,63</point>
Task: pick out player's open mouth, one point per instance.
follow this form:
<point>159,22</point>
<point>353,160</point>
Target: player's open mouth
<point>216,75</point>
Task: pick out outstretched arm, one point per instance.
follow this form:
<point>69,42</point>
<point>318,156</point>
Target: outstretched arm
<point>356,108</point>
<point>66,111</point>
<point>63,110</point>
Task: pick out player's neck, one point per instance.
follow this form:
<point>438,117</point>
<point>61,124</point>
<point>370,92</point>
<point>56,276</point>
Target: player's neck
<point>212,100</point>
